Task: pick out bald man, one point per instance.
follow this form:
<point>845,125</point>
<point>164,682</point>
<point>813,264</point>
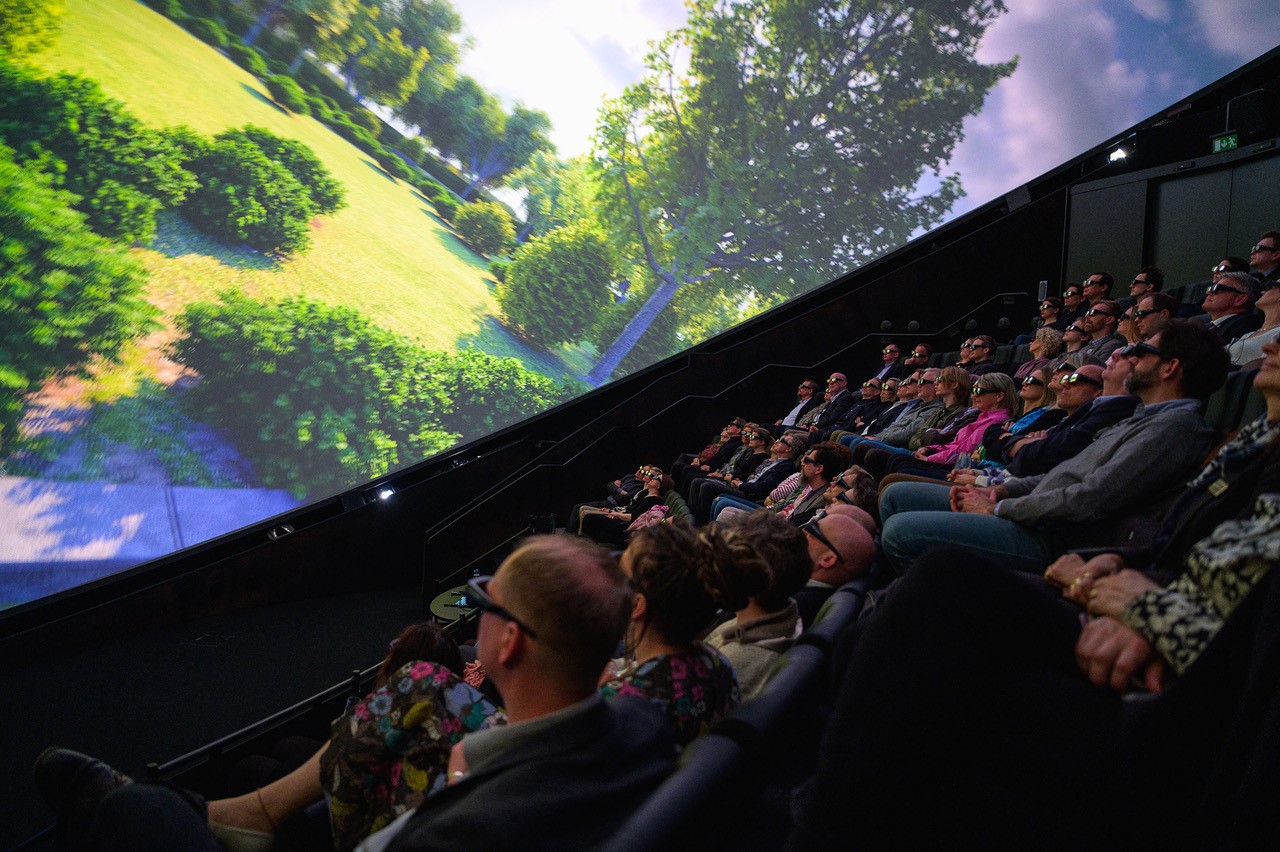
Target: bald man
<point>840,550</point>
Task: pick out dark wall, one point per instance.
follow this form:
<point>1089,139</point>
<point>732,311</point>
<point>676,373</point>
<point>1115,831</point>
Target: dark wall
<point>1183,217</point>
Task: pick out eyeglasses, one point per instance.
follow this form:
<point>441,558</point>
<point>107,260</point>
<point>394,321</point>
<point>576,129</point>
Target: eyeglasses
<point>919,354</point>
<point>978,390</point>
<point>647,471</point>
<point>834,381</point>
<point>1141,350</point>
<point>921,381</point>
<point>1267,285</point>
<point>1146,313</point>
<point>1261,247</point>
<point>1071,294</point>
<point>966,346</point>
<point>889,351</point>
<point>1089,282</point>
<point>1076,378</point>
<point>889,388</point>
<point>479,598</point>
<point>811,527</point>
<point>808,387</point>
<point>1047,307</point>
<point>1128,316</point>
<point>1097,312</point>
<point>808,460</point>
<point>1032,380</point>
<point>1077,329</point>
<point>750,436</point>
<point>1218,288</point>
<point>871,385</point>
<point>1139,281</point>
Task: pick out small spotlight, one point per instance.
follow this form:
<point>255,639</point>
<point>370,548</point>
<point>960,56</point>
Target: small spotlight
<point>1117,155</point>
<point>385,492</point>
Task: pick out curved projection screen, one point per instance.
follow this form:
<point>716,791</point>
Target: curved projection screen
<point>257,252</point>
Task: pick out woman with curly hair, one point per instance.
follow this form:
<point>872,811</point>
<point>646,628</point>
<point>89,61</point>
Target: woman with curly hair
<point>677,595</point>
<point>760,560</point>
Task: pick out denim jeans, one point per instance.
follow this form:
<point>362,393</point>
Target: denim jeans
<point>917,516</point>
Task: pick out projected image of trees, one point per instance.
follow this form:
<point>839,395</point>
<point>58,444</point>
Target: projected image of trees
<point>256,253</point>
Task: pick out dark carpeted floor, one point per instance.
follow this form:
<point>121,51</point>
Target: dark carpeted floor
<point>163,692</point>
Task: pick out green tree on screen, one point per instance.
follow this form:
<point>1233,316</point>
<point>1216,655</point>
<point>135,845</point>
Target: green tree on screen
<point>28,26</point>
<point>557,286</point>
<point>774,145</point>
<point>67,295</point>
<point>557,193</point>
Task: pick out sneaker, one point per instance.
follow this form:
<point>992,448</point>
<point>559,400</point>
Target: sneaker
<point>74,784</point>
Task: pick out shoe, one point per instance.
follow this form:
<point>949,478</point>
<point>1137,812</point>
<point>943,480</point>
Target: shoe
<point>74,784</point>
<point>242,839</point>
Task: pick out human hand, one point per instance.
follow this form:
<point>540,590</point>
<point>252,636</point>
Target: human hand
<point>1075,575</point>
<point>457,763</point>
<point>922,452</point>
<point>962,475</point>
<point>1111,595</point>
<point>1110,653</point>
<point>978,501</point>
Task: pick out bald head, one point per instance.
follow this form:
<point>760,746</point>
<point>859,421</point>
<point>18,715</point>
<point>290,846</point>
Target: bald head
<point>859,515</point>
<point>846,553</point>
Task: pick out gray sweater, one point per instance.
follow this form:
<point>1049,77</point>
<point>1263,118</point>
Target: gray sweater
<point>1136,467</point>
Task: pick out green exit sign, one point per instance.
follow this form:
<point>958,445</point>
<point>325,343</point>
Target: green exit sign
<point>1226,142</point>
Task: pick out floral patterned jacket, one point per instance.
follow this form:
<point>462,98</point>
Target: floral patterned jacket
<point>392,748</point>
<point>696,688</point>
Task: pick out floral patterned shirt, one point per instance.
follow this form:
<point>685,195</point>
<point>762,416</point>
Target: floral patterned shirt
<point>392,748</point>
<point>1182,618</point>
<point>696,688</point>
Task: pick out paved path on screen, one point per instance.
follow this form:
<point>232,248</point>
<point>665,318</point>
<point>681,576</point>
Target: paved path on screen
<point>55,535</point>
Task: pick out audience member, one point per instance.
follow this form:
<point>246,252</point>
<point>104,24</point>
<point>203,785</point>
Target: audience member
<point>982,349</point>
<point>1128,326</point>
<point>893,367</point>
<point>763,561</point>
<point>835,409</point>
<point>919,357</point>
<point>1149,306</point>
<point>676,599</point>
<point>1073,306</point>
<point>1247,348</point>
<point>840,550</point>
<point>1097,287</point>
<point>1229,305</point>
<point>1127,470</point>
<point>1264,257</point>
<point>1045,348</point>
<point>1050,308</point>
<point>1100,322</point>
<point>1074,338</point>
<point>1150,279</point>
<point>806,398</point>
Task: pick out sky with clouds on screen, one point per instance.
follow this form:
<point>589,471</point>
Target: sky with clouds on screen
<point>1088,68</point>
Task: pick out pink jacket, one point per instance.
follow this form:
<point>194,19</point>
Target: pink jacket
<point>967,439</point>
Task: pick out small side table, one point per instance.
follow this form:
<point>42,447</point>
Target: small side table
<point>450,605</point>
